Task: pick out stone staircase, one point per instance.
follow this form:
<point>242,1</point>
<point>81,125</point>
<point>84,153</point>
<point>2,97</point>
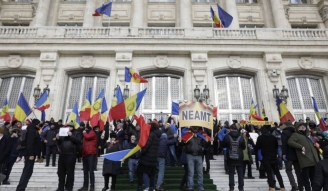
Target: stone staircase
<point>45,178</point>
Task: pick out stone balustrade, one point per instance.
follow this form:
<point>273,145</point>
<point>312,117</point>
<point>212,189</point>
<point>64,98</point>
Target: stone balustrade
<point>161,32</point>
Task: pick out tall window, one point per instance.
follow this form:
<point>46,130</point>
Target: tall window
<point>161,91</point>
<point>301,90</point>
<point>78,87</point>
<point>298,1</point>
<point>234,95</point>
<point>10,87</point>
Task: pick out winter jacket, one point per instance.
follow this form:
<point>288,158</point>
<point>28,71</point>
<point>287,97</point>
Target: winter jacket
<point>268,145</point>
<point>287,150</point>
<point>31,142</point>
<point>195,145</point>
<point>89,143</point>
<point>120,136</point>
<point>169,133</point>
<point>129,145</point>
<point>148,155</point>
<point>163,145</point>
<point>49,135</point>
<point>298,141</point>
<point>277,133</point>
<point>5,148</point>
<point>226,144</point>
<point>320,180</point>
<point>248,150</point>
<point>70,145</point>
<point>111,167</point>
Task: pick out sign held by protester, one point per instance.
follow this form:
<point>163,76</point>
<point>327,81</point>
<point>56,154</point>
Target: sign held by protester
<point>196,114</point>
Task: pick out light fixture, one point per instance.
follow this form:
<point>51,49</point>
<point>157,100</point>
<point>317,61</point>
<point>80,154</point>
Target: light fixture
<point>206,93</point>
<point>126,92</point>
<point>283,95</point>
<point>196,93</point>
<point>275,91</point>
<point>36,93</point>
<point>284,92</point>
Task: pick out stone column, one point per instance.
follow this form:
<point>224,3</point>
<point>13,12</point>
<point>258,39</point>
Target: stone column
<point>269,23</point>
<point>231,8</point>
<point>323,10</point>
<point>279,15</point>
<point>138,13</point>
<point>90,8</point>
<point>42,12</point>
<point>185,14</point>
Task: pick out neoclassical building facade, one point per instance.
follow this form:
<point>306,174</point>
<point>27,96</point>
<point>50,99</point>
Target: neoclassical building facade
<point>171,43</point>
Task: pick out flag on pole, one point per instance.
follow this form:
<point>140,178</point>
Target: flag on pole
<point>22,109</point>
<point>103,114</point>
<point>175,108</point>
<point>5,112</point>
<point>321,120</point>
<point>86,109</point>
<point>284,113</point>
<point>252,110</point>
<point>118,98</point>
<point>132,76</point>
<point>95,113</point>
<point>216,20</point>
<point>43,102</point>
<point>74,116</point>
<point>105,9</point>
<point>225,18</point>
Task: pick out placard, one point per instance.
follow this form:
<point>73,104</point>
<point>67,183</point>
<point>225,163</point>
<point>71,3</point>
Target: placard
<point>196,114</point>
<point>63,132</point>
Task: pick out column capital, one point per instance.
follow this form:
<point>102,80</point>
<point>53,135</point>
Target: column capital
<point>273,63</point>
<point>199,66</point>
<point>48,65</point>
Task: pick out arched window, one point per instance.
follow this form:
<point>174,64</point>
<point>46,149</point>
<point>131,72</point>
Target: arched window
<point>234,95</point>
<point>78,86</point>
<point>10,87</point>
<point>161,91</point>
<point>301,89</point>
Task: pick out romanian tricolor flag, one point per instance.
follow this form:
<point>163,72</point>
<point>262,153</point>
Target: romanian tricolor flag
<point>86,109</point>
<point>95,113</point>
<point>132,76</point>
<point>74,116</point>
<point>186,135</point>
<point>127,107</point>
<point>284,113</point>
<point>105,9</point>
<point>118,98</point>
<point>103,114</point>
<point>43,102</point>
<point>225,18</point>
<point>216,20</point>
<point>5,112</point>
<point>22,109</point>
<point>252,110</point>
<point>321,120</point>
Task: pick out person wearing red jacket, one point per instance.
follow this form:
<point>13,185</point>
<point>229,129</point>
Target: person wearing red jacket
<point>89,152</point>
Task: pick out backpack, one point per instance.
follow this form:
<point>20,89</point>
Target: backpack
<point>234,149</point>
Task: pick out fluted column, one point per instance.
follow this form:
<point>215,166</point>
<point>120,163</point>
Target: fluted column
<point>138,13</point>
<point>231,8</point>
<point>185,14</point>
<point>42,13</point>
<point>279,15</point>
<point>90,8</point>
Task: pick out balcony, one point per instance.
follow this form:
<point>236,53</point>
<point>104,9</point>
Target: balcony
<point>160,32</point>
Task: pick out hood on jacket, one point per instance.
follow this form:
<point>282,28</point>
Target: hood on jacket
<point>325,152</point>
<point>234,134</point>
<point>290,129</point>
<point>164,136</point>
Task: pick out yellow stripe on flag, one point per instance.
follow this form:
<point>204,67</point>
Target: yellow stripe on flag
<point>132,152</point>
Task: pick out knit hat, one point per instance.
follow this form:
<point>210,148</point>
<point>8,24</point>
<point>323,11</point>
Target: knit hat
<point>35,121</point>
<point>70,124</point>
<point>288,124</point>
<point>2,130</point>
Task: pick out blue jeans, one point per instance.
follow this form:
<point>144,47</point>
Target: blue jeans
<point>161,171</point>
<point>171,151</point>
<point>146,180</point>
<point>279,156</point>
<point>192,162</point>
<point>133,163</point>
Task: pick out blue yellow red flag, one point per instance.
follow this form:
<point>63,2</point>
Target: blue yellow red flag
<point>225,18</point>
<point>321,120</point>
<point>5,112</point>
<point>86,109</point>
<point>43,102</point>
<point>74,116</point>
<point>284,113</point>
<point>103,114</point>
<point>105,9</point>
<point>132,76</point>
<point>217,22</point>
<point>22,109</point>
<point>95,113</point>
<point>118,98</point>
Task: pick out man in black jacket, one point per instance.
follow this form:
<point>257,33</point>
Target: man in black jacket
<point>289,156</point>
<point>235,145</point>
<point>5,148</point>
<point>51,146</point>
<point>68,147</point>
<point>320,181</point>
<point>194,149</point>
<point>269,145</point>
<point>32,148</point>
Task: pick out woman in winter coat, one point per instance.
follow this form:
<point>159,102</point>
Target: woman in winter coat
<point>320,180</point>
<point>111,168</point>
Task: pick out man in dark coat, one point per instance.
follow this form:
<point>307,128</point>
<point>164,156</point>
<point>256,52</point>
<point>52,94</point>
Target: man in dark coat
<point>289,156</point>
<point>148,158</point>
<point>67,158</point>
<point>51,144</point>
<point>32,148</point>
<point>320,180</point>
<point>235,163</point>
<point>133,160</point>
<point>111,168</point>
<point>269,145</point>
<point>5,148</point>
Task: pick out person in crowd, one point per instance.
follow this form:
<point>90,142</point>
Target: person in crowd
<point>324,141</point>
<point>148,158</point>
<point>289,156</point>
<point>163,146</point>
<point>269,145</point>
<point>183,159</point>
<point>207,152</point>
<point>326,122</point>
<point>59,124</point>
<point>5,149</point>
<point>235,145</point>
<point>161,126</point>
<point>43,127</point>
<point>68,146</point>
<point>51,144</point>
<point>277,133</point>
<point>14,153</point>
<point>215,145</point>
<point>32,147</point>
<point>320,181</point>
<point>222,133</point>
<point>171,150</point>
<point>6,127</point>
<point>120,133</point>
<point>306,154</point>
<point>99,146</point>
<point>194,148</point>
<point>248,160</point>
<point>133,160</point>
<point>111,168</point>
<point>79,148</point>
<point>89,151</point>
